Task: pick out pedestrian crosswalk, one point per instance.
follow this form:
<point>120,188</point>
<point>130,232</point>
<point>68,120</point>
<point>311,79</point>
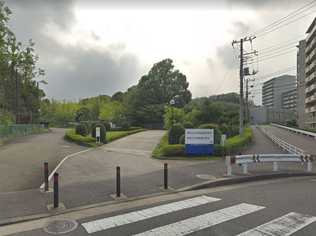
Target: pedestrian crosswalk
<point>284,225</point>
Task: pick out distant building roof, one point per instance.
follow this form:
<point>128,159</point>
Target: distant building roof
<point>311,26</point>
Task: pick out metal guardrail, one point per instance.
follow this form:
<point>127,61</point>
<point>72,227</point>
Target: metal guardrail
<point>244,160</point>
<point>284,145</point>
<point>299,131</point>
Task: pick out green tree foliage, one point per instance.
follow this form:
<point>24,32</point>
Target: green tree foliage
<point>147,100</point>
<point>175,132</point>
<point>83,114</point>
<point>173,115</point>
<point>19,91</point>
<point>81,129</point>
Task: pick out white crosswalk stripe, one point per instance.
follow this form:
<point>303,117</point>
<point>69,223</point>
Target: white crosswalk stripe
<point>132,217</point>
<point>282,226</point>
<point>194,224</point>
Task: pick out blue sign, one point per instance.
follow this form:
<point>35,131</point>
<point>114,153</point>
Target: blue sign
<point>199,149</point>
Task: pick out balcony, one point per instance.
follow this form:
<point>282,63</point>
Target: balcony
<point>310,88</point>
<point>310,109</point>
<point>310,99</point>
<point>311,77</point>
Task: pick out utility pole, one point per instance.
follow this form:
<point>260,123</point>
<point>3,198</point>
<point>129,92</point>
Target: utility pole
<point>241,79</point>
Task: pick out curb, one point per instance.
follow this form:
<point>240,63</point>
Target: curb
<point>243,179</point>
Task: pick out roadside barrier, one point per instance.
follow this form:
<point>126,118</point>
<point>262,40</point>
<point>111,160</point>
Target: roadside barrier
<point>299,131</point>
<point>244,160</point>
<point>56,191</point>
<point>165,175</point>
<point>45,176</point>
<point>118,181</point>
<point>284,145</point>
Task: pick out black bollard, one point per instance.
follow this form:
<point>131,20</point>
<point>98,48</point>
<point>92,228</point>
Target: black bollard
<point>46,176</point>
<point>118,181</point>
<point>56,191</point>
<point>165,176</point>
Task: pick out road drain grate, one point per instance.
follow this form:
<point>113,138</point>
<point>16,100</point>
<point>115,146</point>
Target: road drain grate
<point>61,226</point>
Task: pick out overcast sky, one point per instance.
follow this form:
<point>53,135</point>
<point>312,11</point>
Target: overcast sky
<point>89,48</point>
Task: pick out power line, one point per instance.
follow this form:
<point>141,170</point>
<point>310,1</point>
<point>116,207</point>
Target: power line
<point>278,23</point>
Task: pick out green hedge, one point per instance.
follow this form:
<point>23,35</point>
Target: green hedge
<point>232,145</point>
<point>87,141</point>
<point>90,141</point>
<point>113,135</point>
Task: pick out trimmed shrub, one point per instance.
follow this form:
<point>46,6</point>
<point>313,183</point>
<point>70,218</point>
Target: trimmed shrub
<point>81,129</point>
<point>102,132</point>
<point>79,139</point>
<point>235,144</point>
<point>188,125</point>
<point>175,133</point>
<point>217,132</point>
<point>173,150</point>
<point>182,139</point>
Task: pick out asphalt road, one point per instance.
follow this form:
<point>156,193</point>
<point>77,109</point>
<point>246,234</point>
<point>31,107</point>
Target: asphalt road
<point>261,144</point>
<point>21,161</point>
<point>275,208</point>
<point>306,143</point>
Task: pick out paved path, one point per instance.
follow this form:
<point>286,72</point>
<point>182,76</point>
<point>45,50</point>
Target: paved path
<point>284,208</point>
<point>308,144</point>
<point>21,161</point>
<point>132,154</point>
<point>262,144</point>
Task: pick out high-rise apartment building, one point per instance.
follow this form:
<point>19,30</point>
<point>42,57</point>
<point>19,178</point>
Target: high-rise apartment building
<point>300,69</point>
<point>273,89</point>
<point>310,76</point>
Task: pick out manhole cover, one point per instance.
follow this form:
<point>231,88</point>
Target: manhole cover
<point>61,226</point>
<point>204,176</point>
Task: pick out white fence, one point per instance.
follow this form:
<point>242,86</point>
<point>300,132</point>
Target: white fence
<point>299,131</point>
<point>284,145</point>
<point>244,160</point>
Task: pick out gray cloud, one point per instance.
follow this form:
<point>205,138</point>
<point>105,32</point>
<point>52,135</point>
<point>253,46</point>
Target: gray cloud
<point>269,4</point>
<point>71,72</point>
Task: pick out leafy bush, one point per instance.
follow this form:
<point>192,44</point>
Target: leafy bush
<point>173,150</point>
<point>182,139</point>
<point>175,133</point>
<point>188,125</point>
<point>81,129</point>
<point>217,132</point>
<point>102,132</point>
<point>235,144</point>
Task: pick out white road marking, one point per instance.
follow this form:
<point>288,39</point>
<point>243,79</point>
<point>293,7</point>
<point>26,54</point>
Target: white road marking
<point>194,224</point>
<point>114,221</point>
<point>282,226</point>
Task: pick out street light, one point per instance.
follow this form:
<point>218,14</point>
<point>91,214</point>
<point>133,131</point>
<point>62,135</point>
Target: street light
<point>172,103</point>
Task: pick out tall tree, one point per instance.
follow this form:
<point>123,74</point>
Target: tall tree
<point>155,90</point>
